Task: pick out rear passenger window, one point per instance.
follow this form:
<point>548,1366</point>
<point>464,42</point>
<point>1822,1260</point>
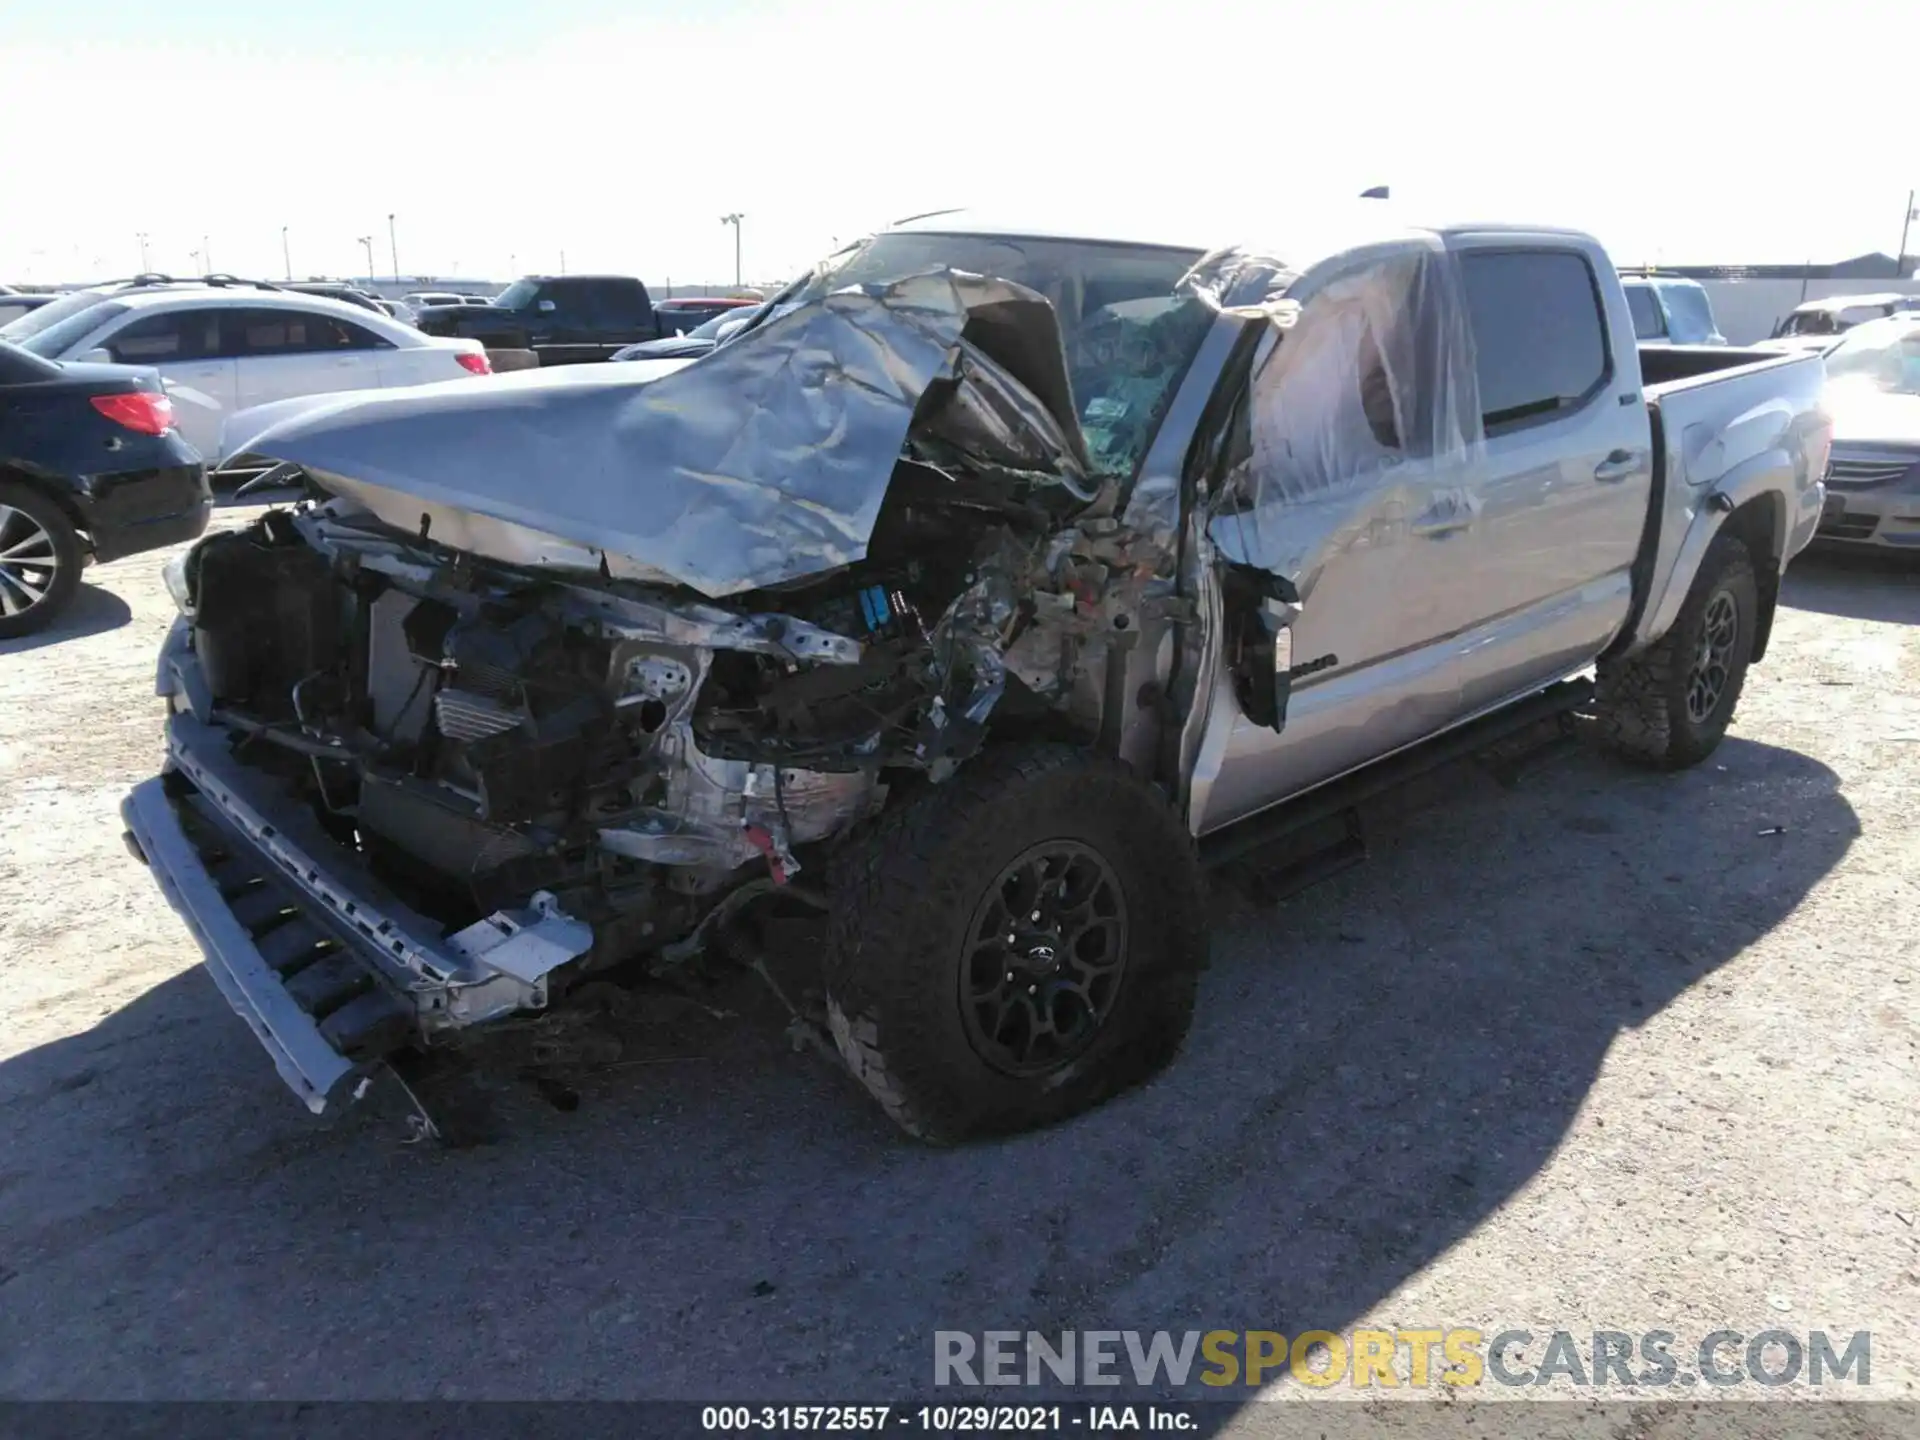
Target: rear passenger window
<point>291,332</point>
<point>348,336</point>
<point>1539,334</point>
<point>169,336</point>
<point>620,305</point>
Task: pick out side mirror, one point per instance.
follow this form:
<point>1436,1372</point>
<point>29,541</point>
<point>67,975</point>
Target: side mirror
<point>99,355</point>
<point>1260,610</point>
<point>545,307</point>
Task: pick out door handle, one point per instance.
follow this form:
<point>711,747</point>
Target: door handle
<point>1618,465</point>
<point>1449,515</point>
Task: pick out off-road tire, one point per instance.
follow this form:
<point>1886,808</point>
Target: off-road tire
<point>69,557</point>
<point>905,895</point>
<point>1642,702</point>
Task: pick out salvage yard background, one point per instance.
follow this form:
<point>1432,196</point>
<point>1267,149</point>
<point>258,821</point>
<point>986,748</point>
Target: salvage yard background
<point>1588,1049</point>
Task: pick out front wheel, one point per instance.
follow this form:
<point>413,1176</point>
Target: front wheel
<point>1670,705</point>
<point>1015,945</point>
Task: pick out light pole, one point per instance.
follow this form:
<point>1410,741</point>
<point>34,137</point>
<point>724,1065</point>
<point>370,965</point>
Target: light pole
<point>734,220</point>
<point>194,255</point>
<point>1900,260</point>
<point>141,236</point>
<point>367,241</point>
<point>393,245</point>
<point>206,255</point>
<point>286,257</point>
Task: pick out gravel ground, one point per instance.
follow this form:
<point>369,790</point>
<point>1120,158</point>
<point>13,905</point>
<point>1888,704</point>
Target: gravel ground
<point>1586,1049</point>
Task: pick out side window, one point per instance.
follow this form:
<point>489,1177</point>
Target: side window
<point>619,305</point>
<point>1692,314</point>
<point>585,302</point>
<point>569,305</point>
<point>1539,334</point>
<point>345,335</point>
<point>168,336</point>
<point>249,333</point>
<point>1644,306</point>
<point>607,307</point>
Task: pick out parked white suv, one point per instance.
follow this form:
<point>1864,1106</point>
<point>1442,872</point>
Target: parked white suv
<point>227,347</point>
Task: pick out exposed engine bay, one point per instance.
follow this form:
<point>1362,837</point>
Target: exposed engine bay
<point>480,733</point>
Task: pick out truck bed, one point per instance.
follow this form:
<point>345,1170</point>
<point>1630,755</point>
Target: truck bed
<point>1666,367</point>
<point>1729,425</point>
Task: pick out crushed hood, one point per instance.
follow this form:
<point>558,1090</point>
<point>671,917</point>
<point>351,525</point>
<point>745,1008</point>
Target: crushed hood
<point>764,462</point>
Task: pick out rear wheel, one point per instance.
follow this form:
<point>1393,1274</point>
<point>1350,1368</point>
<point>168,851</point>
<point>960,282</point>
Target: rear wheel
<point>1015,945</point>
<point>40,560</point>
<point>1670,705</point>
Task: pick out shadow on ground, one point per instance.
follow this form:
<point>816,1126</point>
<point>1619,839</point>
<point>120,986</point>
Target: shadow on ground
<point>1863,585</point>
<point>1376,1066</point>
<point>93,611</point>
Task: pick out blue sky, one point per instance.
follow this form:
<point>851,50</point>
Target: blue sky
<point>501,133</point>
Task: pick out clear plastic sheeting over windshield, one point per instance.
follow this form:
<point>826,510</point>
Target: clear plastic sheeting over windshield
<point>1366,379</point>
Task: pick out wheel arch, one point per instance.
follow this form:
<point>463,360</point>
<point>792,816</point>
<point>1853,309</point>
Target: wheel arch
<point>1761,525</point>
<point>58,496</point>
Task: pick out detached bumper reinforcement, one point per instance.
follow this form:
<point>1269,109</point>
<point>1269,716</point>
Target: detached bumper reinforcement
<point>312,1003</point>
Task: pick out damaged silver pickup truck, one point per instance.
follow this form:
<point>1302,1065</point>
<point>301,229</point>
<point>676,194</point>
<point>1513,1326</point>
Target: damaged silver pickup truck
<point>976,593</point>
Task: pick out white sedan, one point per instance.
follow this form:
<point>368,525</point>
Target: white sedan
<point>222,349</point>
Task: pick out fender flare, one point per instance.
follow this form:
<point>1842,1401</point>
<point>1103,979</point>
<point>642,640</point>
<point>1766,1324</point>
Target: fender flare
<point>1751,499</point>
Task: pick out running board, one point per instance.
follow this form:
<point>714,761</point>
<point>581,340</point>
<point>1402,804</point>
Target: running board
<point>1337,797</point>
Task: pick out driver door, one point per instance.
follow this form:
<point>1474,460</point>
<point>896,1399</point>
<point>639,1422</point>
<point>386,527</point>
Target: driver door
<point>1346,540</point>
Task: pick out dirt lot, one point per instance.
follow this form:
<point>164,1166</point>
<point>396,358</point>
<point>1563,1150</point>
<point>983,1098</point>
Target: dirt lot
<point>1599,1050</point>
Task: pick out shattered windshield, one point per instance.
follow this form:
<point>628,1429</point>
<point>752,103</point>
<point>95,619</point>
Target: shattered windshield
<point>1129,333</point>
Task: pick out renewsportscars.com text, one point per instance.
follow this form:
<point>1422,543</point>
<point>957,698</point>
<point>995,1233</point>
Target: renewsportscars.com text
<point>1389,1359</point>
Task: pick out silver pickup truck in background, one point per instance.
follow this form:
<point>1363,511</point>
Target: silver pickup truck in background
<point>979,594</point>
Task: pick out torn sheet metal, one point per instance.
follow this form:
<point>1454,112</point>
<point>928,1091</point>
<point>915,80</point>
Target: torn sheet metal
<point>1239,280</point>
<point>764,462</point>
